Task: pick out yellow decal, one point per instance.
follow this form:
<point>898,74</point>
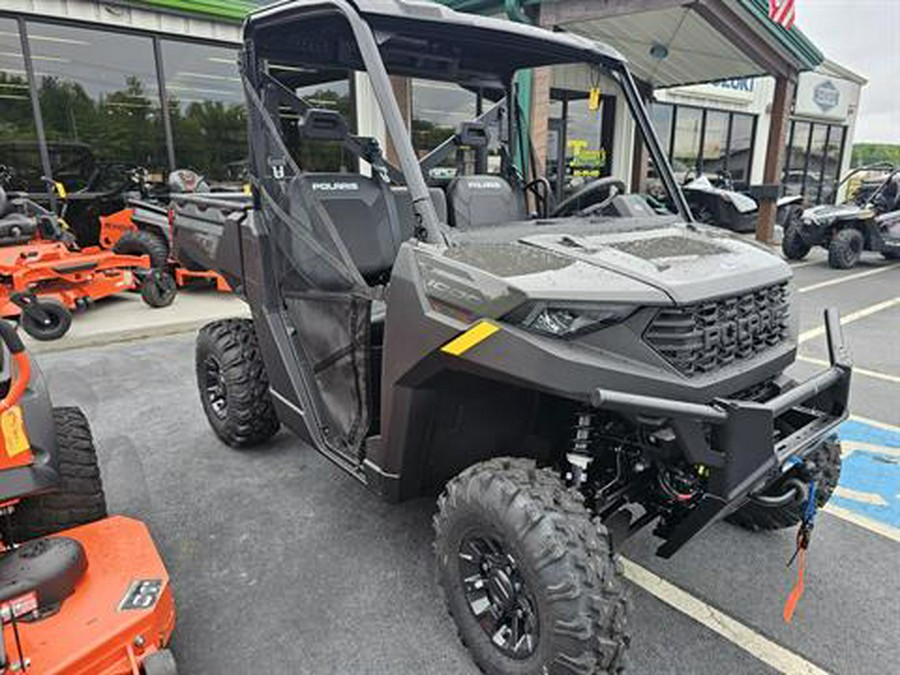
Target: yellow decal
<point>594,99</point>
<point>14,436</point>
<point>60,189</point>
<point>478,333</point>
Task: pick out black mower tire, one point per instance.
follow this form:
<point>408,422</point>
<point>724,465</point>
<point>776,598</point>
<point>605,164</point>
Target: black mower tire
<point>792,244</point>
<point>826,471</point>
<point>144,242</point>
<point>846,249</point>
<point>567,569</point>
<point>79,499</point>
<point>59,321</point>
<point>160,662</point>
<point>227,356</point>
<point>158,288</point>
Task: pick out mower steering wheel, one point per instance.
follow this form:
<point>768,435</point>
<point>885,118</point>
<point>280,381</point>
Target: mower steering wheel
<point>592,193</point>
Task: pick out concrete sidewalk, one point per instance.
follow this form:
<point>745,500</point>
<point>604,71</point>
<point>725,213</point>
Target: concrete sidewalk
<point>126,317</point>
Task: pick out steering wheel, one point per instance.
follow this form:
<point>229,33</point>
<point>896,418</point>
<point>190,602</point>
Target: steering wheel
<point>543,194</point>
<point>596,191</point>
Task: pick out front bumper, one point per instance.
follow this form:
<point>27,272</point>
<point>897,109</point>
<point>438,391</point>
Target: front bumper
<point>746,445</point>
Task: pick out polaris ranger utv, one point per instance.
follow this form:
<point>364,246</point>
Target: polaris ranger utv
<point>565,374</point>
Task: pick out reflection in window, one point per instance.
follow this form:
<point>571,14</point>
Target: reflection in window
<point>831,173</point>
<point>586,158</point>
<point>661,115</point>
<point>206,109</point>
<point>438,109</point>
<point>100,103</point>
<point>815,162</point>
<point>715,143</point>
<point>796,158</point>
<point>18,140</point>
<point>740,148</point>
<point>316,155</point>
<point>686,147</point>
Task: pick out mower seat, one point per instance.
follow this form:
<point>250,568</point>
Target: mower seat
<point>484,200</point>
<point>50,568</point>
<point>15,227</point>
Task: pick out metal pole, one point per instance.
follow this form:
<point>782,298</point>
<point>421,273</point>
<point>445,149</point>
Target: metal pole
<point>36,108</point>
<point>781,110</point>
<point>164,102</point>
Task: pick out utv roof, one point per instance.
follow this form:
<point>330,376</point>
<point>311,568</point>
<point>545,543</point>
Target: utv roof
<point>413,32</point>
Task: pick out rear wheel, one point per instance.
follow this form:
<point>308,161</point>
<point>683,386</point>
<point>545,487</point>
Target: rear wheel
<point>51,322</point>
<point>792,245</point>
<point>144,242</point>
<point>528,577</point>
<point>826,471</point>
<point>79,498</point>
<point>845,249</point>
<point>233,384</point>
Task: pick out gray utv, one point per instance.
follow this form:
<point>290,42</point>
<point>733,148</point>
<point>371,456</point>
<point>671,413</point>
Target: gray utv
<point>562,374</point>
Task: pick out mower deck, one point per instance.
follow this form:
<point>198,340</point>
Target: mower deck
<point>121,611</point>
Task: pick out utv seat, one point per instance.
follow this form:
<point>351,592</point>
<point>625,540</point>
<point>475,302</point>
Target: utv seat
<point>359,208</point>
<point>484,200</point>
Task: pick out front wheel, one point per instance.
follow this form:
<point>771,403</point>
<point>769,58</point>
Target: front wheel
<point>826,471</point>
<point>846,249</point>
<point>78,498</point>
<point>792,245</point>
<point>528,577</point>
<point>158,289</point>
<point>46,320</point>
<point>233,383</point>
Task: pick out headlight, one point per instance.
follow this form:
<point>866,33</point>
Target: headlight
<point>568,319</point>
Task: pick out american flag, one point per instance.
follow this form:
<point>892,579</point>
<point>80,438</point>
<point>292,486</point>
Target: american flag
<point>782,12</point>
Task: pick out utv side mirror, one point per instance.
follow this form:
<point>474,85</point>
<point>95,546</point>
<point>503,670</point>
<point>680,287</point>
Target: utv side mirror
<point>319,124</point>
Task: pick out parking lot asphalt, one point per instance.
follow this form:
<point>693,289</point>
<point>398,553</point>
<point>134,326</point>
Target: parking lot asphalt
<point>282,564</point>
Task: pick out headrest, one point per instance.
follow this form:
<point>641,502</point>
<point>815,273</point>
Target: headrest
<point>185,181</point>
<point>4,202</point>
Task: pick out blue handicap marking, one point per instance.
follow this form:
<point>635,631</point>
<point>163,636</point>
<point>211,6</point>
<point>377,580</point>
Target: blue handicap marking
<point>870,475</point>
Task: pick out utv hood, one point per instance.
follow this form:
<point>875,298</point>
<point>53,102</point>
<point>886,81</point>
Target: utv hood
<point>686,264</point>
<point>828,213</point>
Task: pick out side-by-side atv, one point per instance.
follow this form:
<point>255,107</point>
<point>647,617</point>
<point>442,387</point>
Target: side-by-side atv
<point>563,374</point>
<point>868,221</point>
<point>80,593</point>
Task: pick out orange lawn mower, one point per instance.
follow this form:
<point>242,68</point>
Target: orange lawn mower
<point>80,592</point>
<point>144,227</point>
<point>44,276</point>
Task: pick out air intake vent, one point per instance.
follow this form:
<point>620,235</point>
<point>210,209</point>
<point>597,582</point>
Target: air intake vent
<point>702,338</point>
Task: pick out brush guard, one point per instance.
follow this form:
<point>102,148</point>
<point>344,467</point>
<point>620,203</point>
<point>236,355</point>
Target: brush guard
<point>746,445</point>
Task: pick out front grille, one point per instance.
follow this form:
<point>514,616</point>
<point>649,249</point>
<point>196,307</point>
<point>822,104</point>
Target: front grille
<point>704,337</point>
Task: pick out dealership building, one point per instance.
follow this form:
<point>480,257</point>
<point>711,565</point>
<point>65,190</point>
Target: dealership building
<point>88,85</point>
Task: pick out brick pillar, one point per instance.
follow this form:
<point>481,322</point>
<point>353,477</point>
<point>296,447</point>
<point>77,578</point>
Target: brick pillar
<point>402,87</point>
<point>540,112</point>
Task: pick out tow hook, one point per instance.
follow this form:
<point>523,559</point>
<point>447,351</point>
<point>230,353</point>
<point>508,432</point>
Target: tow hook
<point>795,491</point>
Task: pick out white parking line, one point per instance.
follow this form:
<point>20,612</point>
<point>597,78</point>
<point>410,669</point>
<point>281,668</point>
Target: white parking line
<point>859,496</point>
<point>849,277</point>
<point>806,263</point>
<point>849,447</point>
<point>856,369</point>
<point>875,423</point>
<point>808,335</point>
<point>767,651</point>
<point>862,521</point>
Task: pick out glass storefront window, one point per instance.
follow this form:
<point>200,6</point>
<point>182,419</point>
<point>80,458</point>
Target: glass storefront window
<point>832,168</point>
<point>206,109</point>
<point>18,139</point>
<point>815,162</point>
<point>686,145</point>
<point>796,159</point>
<point>100,103</point>
<point>661,115</point>
<point>741,148</point>
<point>715,143</point>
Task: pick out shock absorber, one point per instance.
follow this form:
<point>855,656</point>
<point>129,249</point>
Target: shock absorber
<point>579,457</point>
